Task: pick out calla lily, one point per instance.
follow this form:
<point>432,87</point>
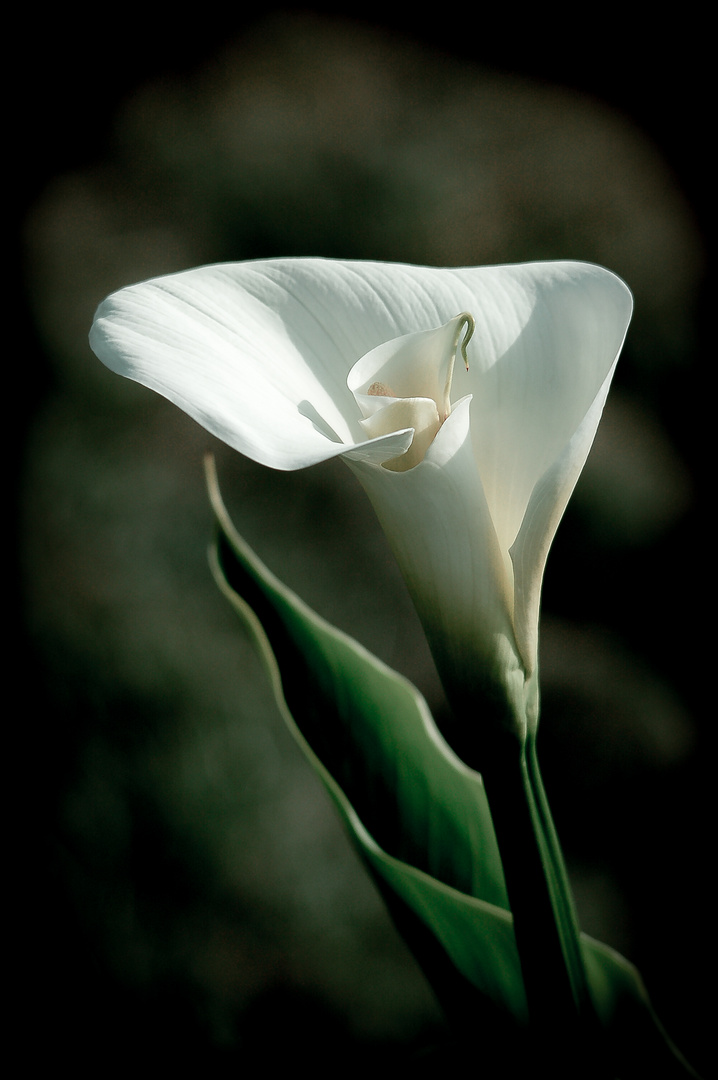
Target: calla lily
<point>465,400</point>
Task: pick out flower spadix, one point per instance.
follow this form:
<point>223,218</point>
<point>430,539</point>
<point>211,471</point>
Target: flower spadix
<point>469,463</point>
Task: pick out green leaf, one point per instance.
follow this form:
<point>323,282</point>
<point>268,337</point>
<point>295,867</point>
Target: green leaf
<point>639,1042</point>
<point>417,815</point>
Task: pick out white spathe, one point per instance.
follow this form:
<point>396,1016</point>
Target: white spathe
<point>294,361</point>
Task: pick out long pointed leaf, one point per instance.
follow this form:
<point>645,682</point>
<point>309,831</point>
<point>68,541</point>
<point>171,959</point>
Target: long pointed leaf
<point>416,813</point>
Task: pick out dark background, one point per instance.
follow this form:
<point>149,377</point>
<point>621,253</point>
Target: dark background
<point>182,889</point>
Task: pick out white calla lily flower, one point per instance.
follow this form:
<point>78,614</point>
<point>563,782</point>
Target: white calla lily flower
<point>469,463</point>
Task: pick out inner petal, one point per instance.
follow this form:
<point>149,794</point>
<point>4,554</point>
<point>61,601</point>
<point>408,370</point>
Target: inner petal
<point>406,383</point>
<point>421,414</point>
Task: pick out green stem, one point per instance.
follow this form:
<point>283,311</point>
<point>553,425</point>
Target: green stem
<point>563,903</point>
<point>547,934</point>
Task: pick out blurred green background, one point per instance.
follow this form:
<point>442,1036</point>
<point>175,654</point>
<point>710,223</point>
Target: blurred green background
<point>184,889</point>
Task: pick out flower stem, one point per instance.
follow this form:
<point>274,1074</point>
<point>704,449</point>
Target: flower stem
<point>561,1012</point>
<point>562,896</point>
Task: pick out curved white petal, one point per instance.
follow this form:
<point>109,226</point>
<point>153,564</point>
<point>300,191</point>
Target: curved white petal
<point>260,352</point>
